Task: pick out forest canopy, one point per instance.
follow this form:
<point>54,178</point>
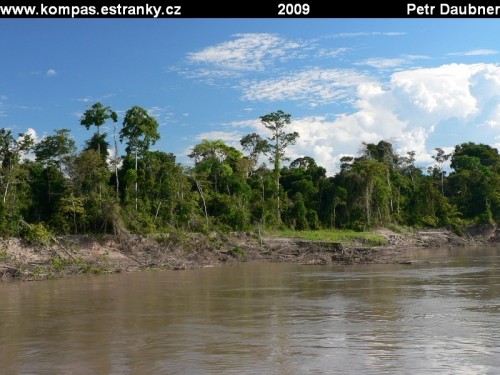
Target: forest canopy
<point>96,190</point>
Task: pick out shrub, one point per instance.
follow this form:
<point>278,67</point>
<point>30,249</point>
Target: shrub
<point>37,235</point>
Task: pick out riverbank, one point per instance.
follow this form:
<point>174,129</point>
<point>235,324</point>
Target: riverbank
<point>180,251</point>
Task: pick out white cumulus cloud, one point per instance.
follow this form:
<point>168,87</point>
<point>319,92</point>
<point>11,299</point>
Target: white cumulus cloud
<point>442,91</point>
<point>408,110</point>
<point>33,134</point>
<point>414,109</point>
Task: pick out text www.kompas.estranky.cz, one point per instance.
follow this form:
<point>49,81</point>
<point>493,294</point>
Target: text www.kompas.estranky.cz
<point>44,10</point>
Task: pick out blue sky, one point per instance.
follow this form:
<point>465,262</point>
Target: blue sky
<point>418,83</point>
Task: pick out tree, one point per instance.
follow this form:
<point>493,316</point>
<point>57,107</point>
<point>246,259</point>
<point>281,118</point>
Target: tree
<point>255,145</point>
<point>220,179</point>
<point>476,181</point>
<point>487,155</point>
<point>371,176</point>
<point>278,142</point>
<point>55,152</point>
<point>141,131</point>
<point>362,188</point>
<point>383,153</point>
<point>99,144</point>
<point>299,212</point>
<point>305,162</point>
<point>89,177</point>
<point>440,159</point>
<point>191,173</point>
<point>216,160</point>
<point>14,181</point>
<point>97,115</point>
<point>11,150</point>
<point>407,166</point>
<point>339,199</point>
<point>304,176</point>
<point>166,187</point>
<point>73,207</point>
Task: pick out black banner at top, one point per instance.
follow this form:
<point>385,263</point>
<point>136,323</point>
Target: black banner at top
<point>246,9</point>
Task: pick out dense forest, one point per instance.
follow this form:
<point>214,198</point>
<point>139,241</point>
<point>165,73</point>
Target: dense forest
<point>96,190</point>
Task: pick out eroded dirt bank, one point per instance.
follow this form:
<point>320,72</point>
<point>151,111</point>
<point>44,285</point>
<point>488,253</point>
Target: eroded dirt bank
<point>84,254</point>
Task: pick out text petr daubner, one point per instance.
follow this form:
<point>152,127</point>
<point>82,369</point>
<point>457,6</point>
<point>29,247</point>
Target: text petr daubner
<point>445,9</point>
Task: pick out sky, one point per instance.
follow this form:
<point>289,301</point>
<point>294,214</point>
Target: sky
<point>417,83</point>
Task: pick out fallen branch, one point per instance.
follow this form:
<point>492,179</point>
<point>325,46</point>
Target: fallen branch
<point>65,251</point>
<point>63,248</point>
<point>134,259</point>
<point>6,269</point>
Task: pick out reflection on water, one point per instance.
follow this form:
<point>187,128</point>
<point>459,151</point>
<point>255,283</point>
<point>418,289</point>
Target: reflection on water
<point>438,315</point>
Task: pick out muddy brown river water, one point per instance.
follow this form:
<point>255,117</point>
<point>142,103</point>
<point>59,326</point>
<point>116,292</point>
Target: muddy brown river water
<point>439,315</point>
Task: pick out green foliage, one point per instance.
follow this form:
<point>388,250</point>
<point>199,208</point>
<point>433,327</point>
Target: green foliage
<point>130,176</point>
<point>396,228</point>
<point>475,183</point>
<point>59,264</point>
<point>299,213</point>
<point>4,256</point>
<point>37,235</point>
<point>333,235</point>
<point>97,115</point>
<point>278,142</point>
<point>312,219</point>
<point>255,145</point>
<point>149,192</point>
<point>237,251</point>
<point>14,184</point>
<point>140,130</point>
<point>99,144</point>
<point>56,150</point>
<point>76,265</point>
<point>138,221</point>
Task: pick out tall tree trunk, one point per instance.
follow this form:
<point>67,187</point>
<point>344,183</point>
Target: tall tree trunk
<point>116,161</point>
<point>263,218</point>
<point>200,190</point>
<point>7,185</point>
<point>136,178</point>
<point>390,192</point>
<point>48,183</point>
<point>442,182</point>
<point>334,213</point>
<point>277,164</point>
<point>278,197</point>
<point>157,211</point>
<point>74,214</point>
<point>367,204</point>
<point>6,191</point>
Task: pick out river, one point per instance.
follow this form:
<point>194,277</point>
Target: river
<point>438,315</point>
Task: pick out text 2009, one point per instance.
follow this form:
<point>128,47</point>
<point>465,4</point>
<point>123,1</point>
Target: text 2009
<point>293,9</point>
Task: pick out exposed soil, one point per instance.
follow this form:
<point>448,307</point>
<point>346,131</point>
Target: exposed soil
<point>85,254</point>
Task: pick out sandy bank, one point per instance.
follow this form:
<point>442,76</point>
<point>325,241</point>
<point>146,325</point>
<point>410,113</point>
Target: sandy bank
<point>104,254</point>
